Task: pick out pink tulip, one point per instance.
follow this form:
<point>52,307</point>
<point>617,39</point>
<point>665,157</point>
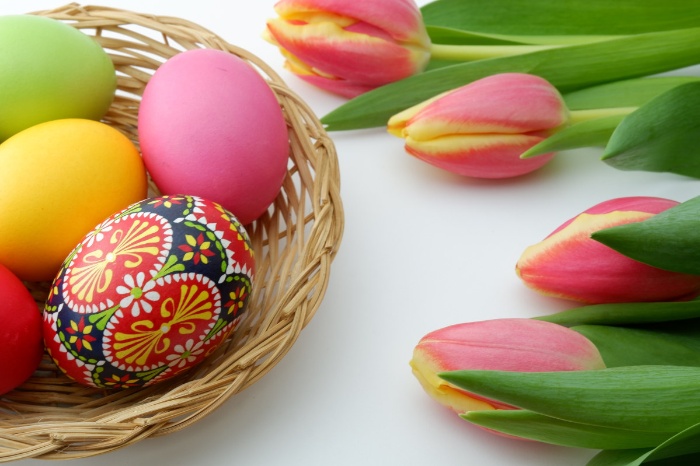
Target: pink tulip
<point>481,129</point>
<point>350,47</point>
<point>569,264</point>
<point>515,344</point>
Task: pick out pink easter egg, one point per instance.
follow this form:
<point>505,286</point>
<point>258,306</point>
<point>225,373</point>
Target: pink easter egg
<point>210,126</point>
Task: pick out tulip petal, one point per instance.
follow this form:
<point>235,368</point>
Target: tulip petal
<point>351,56</point>
<point>425,370</point>
<point>483,128</point>
<point>570,265</point>
<point>350,47</point>
<point>647,204</point>
<point>400,18</point>
<point>513,344</point>
<point>336,86</point>
<point>316,78</point>
<point>498,344</point>
<point>480,156</point>
<point>397,123</point>
<point>508,103</point>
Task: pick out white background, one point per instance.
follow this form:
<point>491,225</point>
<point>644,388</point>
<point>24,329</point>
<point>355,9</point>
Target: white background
<point>422,249</point>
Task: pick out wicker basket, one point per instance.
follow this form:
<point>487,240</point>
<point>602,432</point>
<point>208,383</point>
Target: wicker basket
<point>51,417</point>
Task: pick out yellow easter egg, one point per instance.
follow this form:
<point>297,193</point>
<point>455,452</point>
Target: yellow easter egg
<point>57,181</point>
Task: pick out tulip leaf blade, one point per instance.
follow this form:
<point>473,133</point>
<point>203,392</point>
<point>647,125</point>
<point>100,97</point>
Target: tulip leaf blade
<point>629,457</point>
<point>667,240</point>
<point>637,457</point>
<point>445,35</point>
<point>625,93</point>
<point>567,68</point>
<point>533,426</point>
<point>452,36</point>
<point>661,136</point>
<point>525,17</point>
<point>625,313</point>
<point>648,398</point>
<point>588,133</point>
<point>682,448</point>
<point>657,345</point>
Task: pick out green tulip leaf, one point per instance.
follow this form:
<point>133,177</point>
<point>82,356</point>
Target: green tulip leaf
<point>661,136</point>
<point>529,425</point>
<point>584,134</point>
<point>527,17</point>
<point>618,457</point>
<point>625,313</point>
<point>626,93</point>
<point>682,448</point>
<point>568,68</point>
<point>622,96</point>
<point>446,35</point>
<point>637,457</point>
<point>658,345</point>
<point>646,398</point>
<point>668,240</point>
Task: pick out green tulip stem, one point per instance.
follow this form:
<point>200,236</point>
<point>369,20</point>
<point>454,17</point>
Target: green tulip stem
<point>578,116</point>
<point>480,52</point>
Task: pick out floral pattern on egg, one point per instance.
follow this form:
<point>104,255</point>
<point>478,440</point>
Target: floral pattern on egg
<point>149,293</point>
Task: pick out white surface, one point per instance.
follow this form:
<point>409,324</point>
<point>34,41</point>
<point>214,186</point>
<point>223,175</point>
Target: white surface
<point>422,249</point>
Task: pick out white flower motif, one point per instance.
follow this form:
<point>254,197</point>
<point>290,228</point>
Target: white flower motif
<point>187,354</point>
<point>97,234</point>
<point>137,294</point>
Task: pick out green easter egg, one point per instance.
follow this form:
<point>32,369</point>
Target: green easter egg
<point>48,71</point>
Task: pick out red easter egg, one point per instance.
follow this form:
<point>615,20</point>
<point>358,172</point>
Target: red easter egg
<point>21,344</point>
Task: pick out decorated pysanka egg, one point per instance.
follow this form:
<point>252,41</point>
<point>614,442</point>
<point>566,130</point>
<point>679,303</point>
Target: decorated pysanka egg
<point>149,293</point>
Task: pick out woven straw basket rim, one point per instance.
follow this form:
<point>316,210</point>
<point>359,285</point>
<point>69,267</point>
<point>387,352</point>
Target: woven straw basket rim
<point>51,417</point>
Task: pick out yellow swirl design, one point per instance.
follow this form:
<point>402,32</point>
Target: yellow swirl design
<point>178,314</point>
<point>93,273</point>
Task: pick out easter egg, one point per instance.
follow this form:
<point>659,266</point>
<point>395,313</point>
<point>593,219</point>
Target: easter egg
<point>58,180</point>
<point>149,293</point>
<point>21,344</point>
<point>49,71</point>
<point>210,125</point>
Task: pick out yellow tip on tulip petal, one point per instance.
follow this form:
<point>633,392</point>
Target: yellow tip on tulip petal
<point>569,264</point>
<point>398,122</point>
<point>482,128</point>
<point>352,46</point>
<point>267,37</point>
<point>444,393</point>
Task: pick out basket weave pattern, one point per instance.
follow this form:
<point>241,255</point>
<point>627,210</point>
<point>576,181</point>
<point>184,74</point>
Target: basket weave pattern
<point>51,417</point>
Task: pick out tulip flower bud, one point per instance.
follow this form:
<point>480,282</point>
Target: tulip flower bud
<point>481,129</point>
<point>514,344</point>
<point>349,48</point>
<point>570,264</point>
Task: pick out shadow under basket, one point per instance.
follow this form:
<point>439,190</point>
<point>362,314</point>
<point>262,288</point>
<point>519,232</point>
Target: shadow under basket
<point>295,241</point>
